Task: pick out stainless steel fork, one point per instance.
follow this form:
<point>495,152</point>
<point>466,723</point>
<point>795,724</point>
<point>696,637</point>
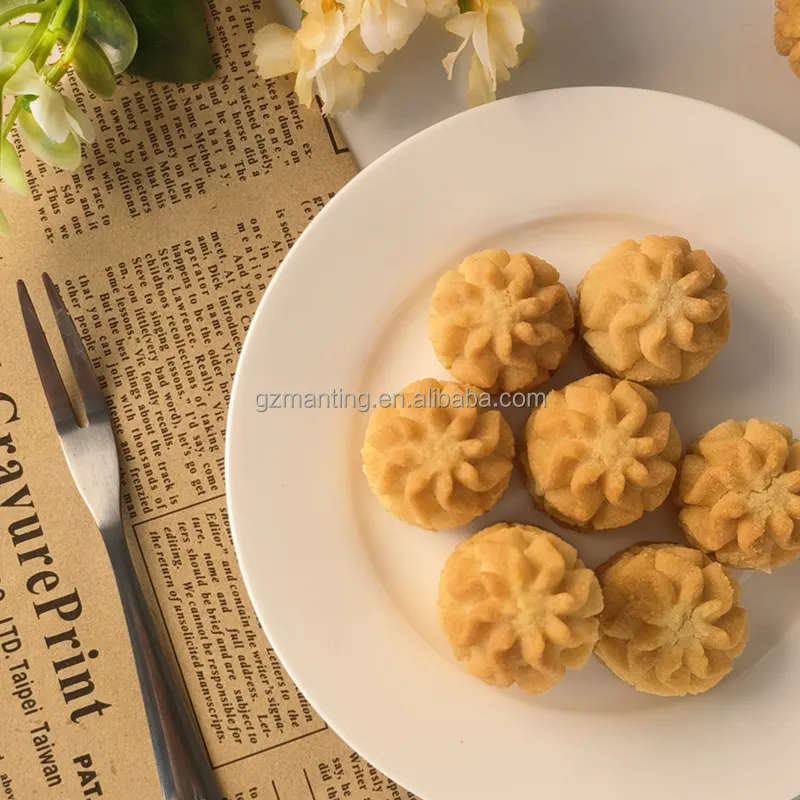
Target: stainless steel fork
<point>91,455</point>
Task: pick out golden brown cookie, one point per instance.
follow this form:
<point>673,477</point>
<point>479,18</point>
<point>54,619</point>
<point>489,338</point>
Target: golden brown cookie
<point>787,32</point>
<point>432,460</point>
<point>672,624</point>
<point>739,489</point>
<point>599,453</point>
<point>654,311</point>
<point>501,322</point>
<point>518,606</point>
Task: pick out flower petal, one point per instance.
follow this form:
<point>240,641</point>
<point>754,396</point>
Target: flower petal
<point>81,124</point>
<point>304,88</point>
<point>506,30</point>
<point>11,169</point>
<point>441,8</point>
<point>355,52</point>
<point>402,19</point>
<point>50,112</point>
<point>352,13</point>
<point>387,24</point>
<point>272,46</point>
<point>373,28</point>
<point>5,228</point>
<point>449,61</point>
<point>480,41</point>
<point>462,25</point>
<point>480,83</point>
<point>66,155</point>
<point>341,88</point>
<point>25,80</point>
<point>332,36</point>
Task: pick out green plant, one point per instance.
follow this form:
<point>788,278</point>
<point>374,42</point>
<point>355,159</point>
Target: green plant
<point>98,39</point>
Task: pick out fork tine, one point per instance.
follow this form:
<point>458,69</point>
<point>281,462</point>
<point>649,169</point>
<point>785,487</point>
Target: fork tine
<point>54,391</point>
<point>93,399</point>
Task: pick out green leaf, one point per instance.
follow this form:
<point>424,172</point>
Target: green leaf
<point>94,69</point>
<point>5,228</point>
<point>7,5</point>
<point>11,169</point>
<point>16,9</point>
<point>66,155</point>
<point>14,36</point>
<point>110,26</point>
<point>173,41</point>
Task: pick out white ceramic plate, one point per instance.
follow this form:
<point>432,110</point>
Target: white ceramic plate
<point>347,594</point>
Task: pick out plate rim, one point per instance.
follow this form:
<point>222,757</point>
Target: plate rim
<point>236,400</point>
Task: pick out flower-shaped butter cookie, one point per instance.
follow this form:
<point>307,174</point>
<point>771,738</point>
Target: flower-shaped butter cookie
<point>740,491</point>
<point>787,32</point>
<point>599,453</point>
<point>501,322</point>
<point>518,606</point>
<point>672,624</point>
<point>432,460</point>
<point>654,311</point>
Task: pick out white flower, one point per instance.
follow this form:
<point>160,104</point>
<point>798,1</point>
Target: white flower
<point>387,24</point>
<point>322,31</point>
<point>354,51</point>
<point>327,49</point>
<point>441,8</point>
<point>340,87</point>
<point>496,30</point>
<point>11,172</point>
<point>59,117</point>
<point>64,155</point>
<point>273,47</point>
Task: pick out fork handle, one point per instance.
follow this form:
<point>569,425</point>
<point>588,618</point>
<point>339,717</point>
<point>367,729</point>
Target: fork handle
<point>183,767</point>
